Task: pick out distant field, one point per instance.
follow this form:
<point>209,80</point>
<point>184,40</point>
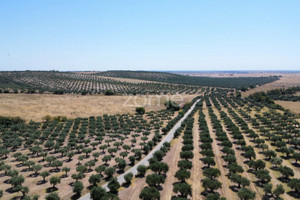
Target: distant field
<point>286,81</point>
<point>236,74</point>
<point>70,82</point>
<point>292,106</point>
<point>191,79</point>
<point>36,106</point>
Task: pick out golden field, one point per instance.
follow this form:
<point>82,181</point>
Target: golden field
<point>36,106</point>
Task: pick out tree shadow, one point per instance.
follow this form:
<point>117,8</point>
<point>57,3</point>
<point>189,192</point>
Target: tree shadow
<point>67,160</point>
<point>17,197</point>
<point>259,183</point>
<point>126,184</point>
<point>19,165</point>
<point>285,157</point>
<point>131,164</point>
<point>234,188</point>
<point>54,170</point>
<point>75,196</point>
<point>159,187</point>
<point>120,171</point>
<point>41,182</point>
<point>294,194</point>
<point>296,164</point>
<point>106,164</point>
<point>47,165</point>
<point>25,170</point>
<point>34,175</point>
<point>64,176</point>
<point>10,190</point>
<point>274,168</point>
<point>205,193</point>
<point>178,197</point>
<point>3,158</point>
<point>283,179</point>
<point>267,197</point>
<point>107,178</point>
<point>139,176</point>
<point>6,181</point>
<point>90,187</point>
<point>51,189</point>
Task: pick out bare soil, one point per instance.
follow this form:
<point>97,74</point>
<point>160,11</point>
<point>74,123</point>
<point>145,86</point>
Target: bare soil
<point>134,190</point>
<point>171,158</point>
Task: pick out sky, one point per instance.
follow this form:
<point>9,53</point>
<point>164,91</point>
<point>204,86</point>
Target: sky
<point>174,35</point>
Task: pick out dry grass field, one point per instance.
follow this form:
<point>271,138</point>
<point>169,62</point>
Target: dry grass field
<point>36,106</point>
<point>292,106</point>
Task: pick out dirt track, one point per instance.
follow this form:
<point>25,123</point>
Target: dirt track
<point>196,171</point>
<point>172,158</point>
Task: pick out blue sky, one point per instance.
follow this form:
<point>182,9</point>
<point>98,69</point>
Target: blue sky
<point>150,34</point>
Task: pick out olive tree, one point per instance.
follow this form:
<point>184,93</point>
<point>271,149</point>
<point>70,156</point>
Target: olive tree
<point>54,180</point>
<point>246,194</point>
<point>149,193</point>
<point>77,188</point>
<point>52,196</point>
<point>183,188</point>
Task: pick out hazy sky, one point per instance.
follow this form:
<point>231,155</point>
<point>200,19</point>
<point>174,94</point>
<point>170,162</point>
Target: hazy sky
<point>150,34</point>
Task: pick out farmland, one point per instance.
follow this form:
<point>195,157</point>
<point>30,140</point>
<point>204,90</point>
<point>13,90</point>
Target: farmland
<point>149,100</point>
<point>226,147</point>
<point>235,82</point>
<point>82,83</point>
<point>77,146</point>
<point>81,142</point>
